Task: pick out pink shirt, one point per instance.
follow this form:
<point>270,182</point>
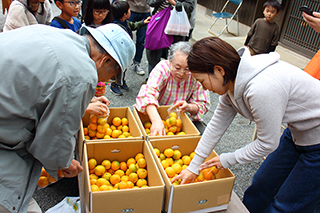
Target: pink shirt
<point>161,89</point>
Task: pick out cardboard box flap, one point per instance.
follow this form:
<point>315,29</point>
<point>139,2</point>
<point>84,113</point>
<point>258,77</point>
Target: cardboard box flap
<point>121,112</point>
<point>187,126</point>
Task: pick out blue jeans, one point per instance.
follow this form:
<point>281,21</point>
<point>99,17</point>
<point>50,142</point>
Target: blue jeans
<point>140,35</point>
<point>287,181</point>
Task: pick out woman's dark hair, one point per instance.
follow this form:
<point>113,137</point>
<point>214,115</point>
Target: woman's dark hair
<point>98,5</point>
<point>211,51</point>
<point>272,3</point>
<point>119,8</point>
<point>42,8</point>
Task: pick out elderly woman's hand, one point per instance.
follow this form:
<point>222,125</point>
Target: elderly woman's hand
<point>157,128</point>
<point>186,107</point>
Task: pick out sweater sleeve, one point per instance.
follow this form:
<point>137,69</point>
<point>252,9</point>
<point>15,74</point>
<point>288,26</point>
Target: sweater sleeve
<point>16,18</point>
<point>221,120</point>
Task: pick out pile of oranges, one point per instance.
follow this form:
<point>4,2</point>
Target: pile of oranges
<point>45,178</point>
<point>100,129</point>
<point>115,175</point>
<point>173,163</point>
<point>172,125</point>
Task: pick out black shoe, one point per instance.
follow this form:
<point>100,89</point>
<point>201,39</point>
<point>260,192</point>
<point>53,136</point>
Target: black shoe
<point>124,86</point>
<point>114,88</point>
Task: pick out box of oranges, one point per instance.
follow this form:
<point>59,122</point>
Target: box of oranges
<point>210,192</point>
<point>175,126</point>
<point>119,124</point>
<point>120,176</point>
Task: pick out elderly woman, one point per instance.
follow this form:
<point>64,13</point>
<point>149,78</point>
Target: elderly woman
<point>28,12</point>
<point>269,92</point>
<point>170,83</point>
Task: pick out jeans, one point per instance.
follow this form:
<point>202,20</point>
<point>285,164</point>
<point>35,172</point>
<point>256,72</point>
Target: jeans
<point>287,181</point>
<point>140,35</point>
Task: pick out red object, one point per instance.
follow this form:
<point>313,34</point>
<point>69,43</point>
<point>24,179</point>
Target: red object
<point>100,89</point>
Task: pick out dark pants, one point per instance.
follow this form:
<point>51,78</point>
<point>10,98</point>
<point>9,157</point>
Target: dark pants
<point>140,35</point>
<point>287,181</point>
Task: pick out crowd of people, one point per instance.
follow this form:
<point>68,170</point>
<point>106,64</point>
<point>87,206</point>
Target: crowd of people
<point>49,79</point>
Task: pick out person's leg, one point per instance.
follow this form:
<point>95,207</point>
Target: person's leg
<point>301,190</point>
<point>140,38</point>
<point>271,175</point>
<point>153,57</point>
<point>115,87</point>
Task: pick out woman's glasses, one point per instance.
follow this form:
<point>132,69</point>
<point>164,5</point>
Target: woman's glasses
<point>98,12</point>
<point>178,69</point>
<point>74,3</point>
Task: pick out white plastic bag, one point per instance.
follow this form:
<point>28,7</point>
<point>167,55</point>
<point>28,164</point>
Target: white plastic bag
<point>178,23</point>
<point>67,205</point>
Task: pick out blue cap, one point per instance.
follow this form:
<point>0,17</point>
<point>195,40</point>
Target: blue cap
<point>116,41</point>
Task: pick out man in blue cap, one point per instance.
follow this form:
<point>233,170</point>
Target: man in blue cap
<point>47,79</point>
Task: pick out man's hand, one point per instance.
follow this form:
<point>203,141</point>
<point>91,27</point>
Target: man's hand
<point>74,169</point>
<point>98,106</point>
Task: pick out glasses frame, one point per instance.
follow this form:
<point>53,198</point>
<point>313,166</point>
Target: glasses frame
<point>74,3</point>
<point>183,71</point>
<point>97,12</point>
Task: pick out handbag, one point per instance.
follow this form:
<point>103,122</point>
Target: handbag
<point>155,36</point>
<point>178,23</point>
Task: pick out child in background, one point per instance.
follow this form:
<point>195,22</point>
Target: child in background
<point>121,14</point>
<point>69,10</point>
<point>97,13</point>
<point>264,34</point>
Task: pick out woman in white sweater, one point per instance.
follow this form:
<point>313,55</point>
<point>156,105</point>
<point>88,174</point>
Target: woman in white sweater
<point>269,92</point>
<point>27,12</point>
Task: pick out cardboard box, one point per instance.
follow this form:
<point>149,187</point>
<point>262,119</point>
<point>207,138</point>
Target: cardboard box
<point>187,125</point>
<point>121,112</point>
<point>149,199</point>
<point>207,196</point>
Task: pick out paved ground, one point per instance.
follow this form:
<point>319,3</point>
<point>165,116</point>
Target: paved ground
<point>238,135</point>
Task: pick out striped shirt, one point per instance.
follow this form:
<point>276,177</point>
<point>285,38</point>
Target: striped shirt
<point>161,89</point>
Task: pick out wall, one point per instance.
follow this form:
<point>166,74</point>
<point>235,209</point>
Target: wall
<point>246,12</point>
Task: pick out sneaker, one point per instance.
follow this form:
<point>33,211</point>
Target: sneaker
<point>124,86</point>
<point>138,69</point>
<point>114,88</point>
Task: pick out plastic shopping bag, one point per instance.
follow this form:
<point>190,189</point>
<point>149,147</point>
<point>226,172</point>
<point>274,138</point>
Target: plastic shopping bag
<point>178,23</point>
<point>155,37</point>
<point>67,205</point>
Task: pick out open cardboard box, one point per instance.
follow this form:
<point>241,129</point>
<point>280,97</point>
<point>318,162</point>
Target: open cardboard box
<point>187,125</point>
<point>121,112</point>
<point>207,196</point>
<point>149,199</point>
